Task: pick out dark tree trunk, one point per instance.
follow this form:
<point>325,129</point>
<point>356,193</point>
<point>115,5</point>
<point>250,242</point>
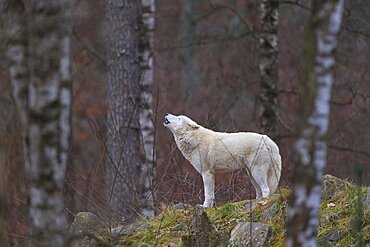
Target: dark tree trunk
<point>310,150</point>
<point>123,92</point>
<point>38,50</point>
<point>189,72</point>
<point>269,19</point>
<point>3,181</point>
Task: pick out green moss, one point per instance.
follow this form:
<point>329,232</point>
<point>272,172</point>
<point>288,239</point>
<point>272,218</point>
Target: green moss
<point>161,230</point>
<point>339,211</point>
<point>228,215</point>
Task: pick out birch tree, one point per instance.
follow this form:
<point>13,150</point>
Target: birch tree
<point>38,52</point>
<point>123,92</point>
<point>147,25</point>
<point>268,48</point>
<point>311,147</point>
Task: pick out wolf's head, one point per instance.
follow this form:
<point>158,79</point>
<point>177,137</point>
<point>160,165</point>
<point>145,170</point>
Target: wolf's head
<point>179,124</point>
<point>184,131</point>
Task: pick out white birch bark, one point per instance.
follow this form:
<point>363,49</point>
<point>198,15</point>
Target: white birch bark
<point>311,146</point>
<point>268,48</point>
<point>38,51</point>
<point>146,43</point>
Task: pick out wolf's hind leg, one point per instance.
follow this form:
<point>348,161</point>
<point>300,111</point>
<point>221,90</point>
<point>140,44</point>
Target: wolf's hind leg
<point>260,178</point>
<point>257,188</point>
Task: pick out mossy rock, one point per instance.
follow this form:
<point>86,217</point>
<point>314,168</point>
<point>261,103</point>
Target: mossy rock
<point>85,230</point>
<point>331,185</point>
<point>175,228</point>
<point>85,222</point>
<point>202,232</point>
<point>338,209</point>
<point>249,234</point>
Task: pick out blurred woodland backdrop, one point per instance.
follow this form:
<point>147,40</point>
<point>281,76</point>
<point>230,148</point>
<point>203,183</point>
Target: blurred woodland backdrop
<point>206,66</point>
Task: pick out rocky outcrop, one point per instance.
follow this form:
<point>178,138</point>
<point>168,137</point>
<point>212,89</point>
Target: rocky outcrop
<point>231,224</point>
<point>269,214</point>
<point>331,185</point>
<point>202,232</point>
<point>83,229</point>
<point>180,206</point>
<point>366,200</point>
<point>126,230</point>
<point>331,237</point>
<point>249,234</point>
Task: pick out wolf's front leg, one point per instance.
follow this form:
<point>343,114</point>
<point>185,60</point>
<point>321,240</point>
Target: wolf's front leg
<point>209,189</point>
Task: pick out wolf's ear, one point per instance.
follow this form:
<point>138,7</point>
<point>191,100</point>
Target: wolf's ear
<point>193,125</point>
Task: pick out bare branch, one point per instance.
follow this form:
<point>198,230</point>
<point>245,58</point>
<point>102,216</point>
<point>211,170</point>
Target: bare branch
<point>297,3</point>
<point>350,149</point>
<point>90,48</point>
<point>233,10</point>
<point>212,40</point>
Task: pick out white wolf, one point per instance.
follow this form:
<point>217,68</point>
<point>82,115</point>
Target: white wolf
<point>211,152</point>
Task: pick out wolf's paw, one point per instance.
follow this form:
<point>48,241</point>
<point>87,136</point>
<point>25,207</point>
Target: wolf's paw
<point>263,201</point>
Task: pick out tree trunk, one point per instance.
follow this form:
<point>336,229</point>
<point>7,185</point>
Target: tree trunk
<point>147,25</point>
<point>39,64</point>
<point>3,182</point>
<point>269,19</point>
<point>189,73</point>
<point>310,149</point>
<point>123,92</point>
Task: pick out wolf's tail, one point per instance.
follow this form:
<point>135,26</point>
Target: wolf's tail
<point>274,173</point>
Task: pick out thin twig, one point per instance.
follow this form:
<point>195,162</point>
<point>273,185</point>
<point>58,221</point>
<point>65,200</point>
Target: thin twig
<point>91,49</point>
<point>350,149</point>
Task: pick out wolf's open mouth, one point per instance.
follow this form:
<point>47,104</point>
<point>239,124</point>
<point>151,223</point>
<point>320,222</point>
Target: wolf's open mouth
<point>166,121</point>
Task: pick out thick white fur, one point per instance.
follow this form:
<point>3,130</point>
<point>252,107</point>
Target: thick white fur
<point>211,152</point>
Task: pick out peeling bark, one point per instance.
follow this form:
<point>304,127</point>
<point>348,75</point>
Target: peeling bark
<point>311,146</point>
<point>147,25</point>
<point>123,93</point>
<point>268,47</point>
<point>38,51</point>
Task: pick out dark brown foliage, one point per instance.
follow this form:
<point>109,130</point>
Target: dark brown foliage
<point>224,98</point>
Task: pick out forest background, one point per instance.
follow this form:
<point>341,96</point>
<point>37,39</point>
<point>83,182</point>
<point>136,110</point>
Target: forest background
<point>205,66</point>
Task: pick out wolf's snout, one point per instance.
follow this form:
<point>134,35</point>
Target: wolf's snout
<point>166,121</point>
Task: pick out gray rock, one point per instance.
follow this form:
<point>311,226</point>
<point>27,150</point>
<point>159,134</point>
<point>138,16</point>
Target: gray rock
<point>251,205</point>
<point>242,235</point>
<point>83,229</point>
<point>331,185</point>
<point>331,237</point>
<point>127,230</point>
<point>366,200</point>
<point>270,213</point>
<point>180,206</point>
<point>178,227</point>
<point>202,232</point>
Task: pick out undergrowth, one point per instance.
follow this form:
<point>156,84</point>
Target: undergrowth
<point>167,228</point>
